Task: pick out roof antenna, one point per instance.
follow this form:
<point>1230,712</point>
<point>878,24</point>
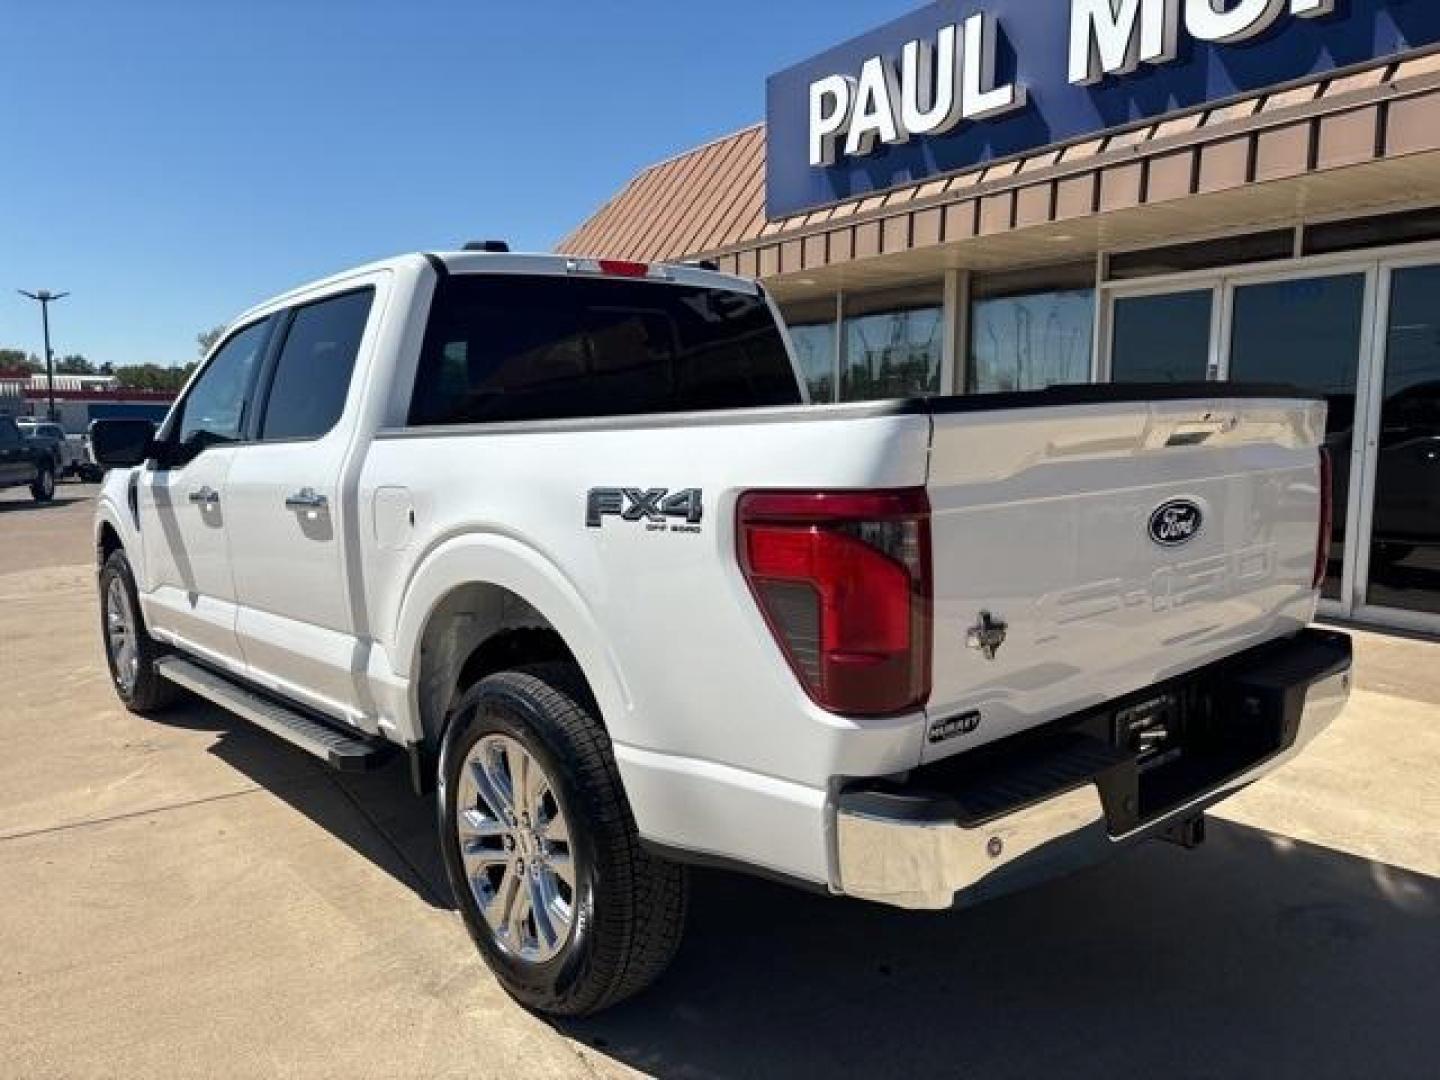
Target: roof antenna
<point>494,247</point>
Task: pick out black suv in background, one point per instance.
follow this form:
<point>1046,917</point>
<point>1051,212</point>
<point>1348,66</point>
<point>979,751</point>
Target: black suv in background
<point>25,463</point>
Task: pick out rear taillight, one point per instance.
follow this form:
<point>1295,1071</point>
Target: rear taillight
<point>843,580</point>
<point>622,268</point>
<point>1327,519</point>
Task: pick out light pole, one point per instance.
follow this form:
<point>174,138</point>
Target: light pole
<point>44,297</point>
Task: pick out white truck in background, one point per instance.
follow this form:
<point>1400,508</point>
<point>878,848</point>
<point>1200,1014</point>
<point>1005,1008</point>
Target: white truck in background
<point>566,533</point>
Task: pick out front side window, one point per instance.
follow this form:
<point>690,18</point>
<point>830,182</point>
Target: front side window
<point>537,348</point>
<point>9,433</point>
<point>214,410</point>
<point>312,376</point>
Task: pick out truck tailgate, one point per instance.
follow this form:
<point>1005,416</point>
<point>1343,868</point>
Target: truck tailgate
<point>1111,545</point>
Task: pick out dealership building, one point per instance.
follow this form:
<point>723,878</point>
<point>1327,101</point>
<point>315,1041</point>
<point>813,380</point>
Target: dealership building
<point>999,195</point>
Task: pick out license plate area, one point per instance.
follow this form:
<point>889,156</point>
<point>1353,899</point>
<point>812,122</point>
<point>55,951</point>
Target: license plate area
<point>1151,730</point>
<point>1148,753</point>
<point>1183,741</point>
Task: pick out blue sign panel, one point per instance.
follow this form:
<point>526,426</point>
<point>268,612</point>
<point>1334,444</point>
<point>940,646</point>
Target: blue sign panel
<point>961,82</point>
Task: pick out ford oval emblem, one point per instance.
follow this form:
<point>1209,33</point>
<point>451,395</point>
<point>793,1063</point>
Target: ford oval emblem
<point>1176,522</point>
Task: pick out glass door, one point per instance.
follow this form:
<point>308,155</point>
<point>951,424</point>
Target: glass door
<point>1159,337</point>
<point>1311,332</point>
<point>1401,569</point>
<point>1365,334</point>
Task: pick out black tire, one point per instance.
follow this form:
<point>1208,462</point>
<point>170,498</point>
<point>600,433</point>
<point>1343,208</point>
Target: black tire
<point>146,692</point>
<point>628,907</point>
<point>43,486</point>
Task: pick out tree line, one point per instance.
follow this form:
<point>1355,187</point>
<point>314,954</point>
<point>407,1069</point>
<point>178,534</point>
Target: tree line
<point>127,376</point>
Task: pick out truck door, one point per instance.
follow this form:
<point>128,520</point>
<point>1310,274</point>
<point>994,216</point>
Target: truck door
<point>289,516</point>
<point>187,588</point>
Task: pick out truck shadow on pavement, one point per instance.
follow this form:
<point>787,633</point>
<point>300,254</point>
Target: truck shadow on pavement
<point>27,504</point>
<point>1257,955</point>
<point>1254,956</point>
<point>377,814</point>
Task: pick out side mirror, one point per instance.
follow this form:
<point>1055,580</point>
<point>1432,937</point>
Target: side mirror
<point>119,444</point>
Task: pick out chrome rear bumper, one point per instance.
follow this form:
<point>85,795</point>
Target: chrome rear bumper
<point>911,851</point>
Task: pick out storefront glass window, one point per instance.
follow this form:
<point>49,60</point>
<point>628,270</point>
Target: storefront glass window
<point>893,354</point>
<point>814,346</point>
<point>1031,341</point>
<point>1162,338</point>
<point>814,333</point>
<point>894,343</point>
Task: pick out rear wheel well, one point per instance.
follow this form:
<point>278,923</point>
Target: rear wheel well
<point>511,649</point>
<point>477,630</point>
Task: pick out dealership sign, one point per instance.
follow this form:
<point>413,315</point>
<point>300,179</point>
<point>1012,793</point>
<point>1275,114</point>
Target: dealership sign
<point>962,82</point>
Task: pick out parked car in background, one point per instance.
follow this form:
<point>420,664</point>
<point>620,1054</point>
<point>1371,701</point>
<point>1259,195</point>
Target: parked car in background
<point>67,452</point>
<point>25,463</point>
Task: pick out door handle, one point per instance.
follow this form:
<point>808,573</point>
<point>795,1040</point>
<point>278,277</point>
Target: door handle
<point>306,499</point>
<point>205,496</point>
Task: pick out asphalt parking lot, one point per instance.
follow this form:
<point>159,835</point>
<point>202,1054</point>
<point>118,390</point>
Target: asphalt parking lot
<point>191,897</point>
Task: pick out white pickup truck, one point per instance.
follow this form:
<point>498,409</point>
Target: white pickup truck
<point>567,534</point>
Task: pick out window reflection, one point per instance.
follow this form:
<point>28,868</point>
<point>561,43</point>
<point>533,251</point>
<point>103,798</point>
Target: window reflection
<point>1031,341</point>
<point>814,346</point>
<point>893,354</point>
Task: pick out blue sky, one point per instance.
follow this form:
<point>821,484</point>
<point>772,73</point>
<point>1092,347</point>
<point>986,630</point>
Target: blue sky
<point>171,162</point>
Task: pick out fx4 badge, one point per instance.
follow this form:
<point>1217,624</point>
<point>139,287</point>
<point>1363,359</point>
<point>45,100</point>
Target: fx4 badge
<point>657,507</point>
<point>986,636</point>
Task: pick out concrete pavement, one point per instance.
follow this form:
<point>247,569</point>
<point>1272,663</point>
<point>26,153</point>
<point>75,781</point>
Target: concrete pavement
<point>192,898</point>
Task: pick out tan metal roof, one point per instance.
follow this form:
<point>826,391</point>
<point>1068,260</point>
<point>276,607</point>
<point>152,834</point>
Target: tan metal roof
<point>706,199</point>
<point>710,201</point>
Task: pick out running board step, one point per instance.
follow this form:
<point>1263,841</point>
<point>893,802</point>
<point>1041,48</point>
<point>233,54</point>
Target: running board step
<point>337,748</point>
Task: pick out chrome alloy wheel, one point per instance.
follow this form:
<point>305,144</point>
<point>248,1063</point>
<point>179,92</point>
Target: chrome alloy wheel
<point>515,845</point>
<point>120,631</point>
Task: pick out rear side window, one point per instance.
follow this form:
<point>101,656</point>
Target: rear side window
<point>555,348</point>
<point>312,374</point>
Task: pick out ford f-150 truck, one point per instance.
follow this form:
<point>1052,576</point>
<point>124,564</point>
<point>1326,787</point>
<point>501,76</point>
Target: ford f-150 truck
<point>567,534</point>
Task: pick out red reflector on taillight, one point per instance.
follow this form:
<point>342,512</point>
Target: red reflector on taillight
<point>622,268</point>
<point>1327,519</point>
<point>843,580</point>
